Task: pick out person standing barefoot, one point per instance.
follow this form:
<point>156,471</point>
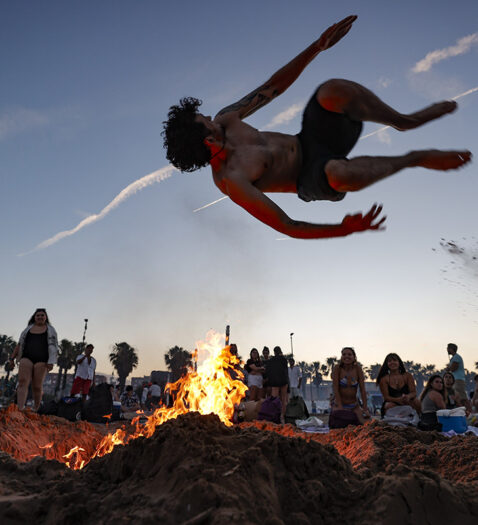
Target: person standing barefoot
<point>36,353</point>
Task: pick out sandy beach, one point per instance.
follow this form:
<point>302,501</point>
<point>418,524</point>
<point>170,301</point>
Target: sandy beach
<point>195,470</point>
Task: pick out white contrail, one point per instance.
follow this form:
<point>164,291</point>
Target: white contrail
<point>374,132</point>
<point>131,189</point>
<point>469,92</point>
<point>463,45</point>
<point>210,204</point>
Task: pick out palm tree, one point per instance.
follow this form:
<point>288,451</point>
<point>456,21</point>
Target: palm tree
<point>373,370</point>
<point>419,372</point>
<point>331,363</point>
<point>74,351</point>
<point>124,359</point>
<point>319,372</point>
<point>178,361</point>
<point>306,370</point>
<point>66,347</point>
<point>7,346</point>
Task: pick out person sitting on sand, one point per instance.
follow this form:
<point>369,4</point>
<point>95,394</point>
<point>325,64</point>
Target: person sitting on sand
<point>451,399</point>
<point>432,399</point>
<point>347,379</point>
<point>396,384</point>
<point>247,163</point>
<point>254,369</point>
<point>129,401</point>
<point>474,399</point>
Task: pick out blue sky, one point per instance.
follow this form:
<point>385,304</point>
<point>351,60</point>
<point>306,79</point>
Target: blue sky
<point>85,88</point>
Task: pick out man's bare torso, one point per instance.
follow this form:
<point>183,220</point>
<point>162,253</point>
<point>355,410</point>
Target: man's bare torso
<point>270,161</point>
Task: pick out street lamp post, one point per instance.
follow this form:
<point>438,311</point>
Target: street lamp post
<point>84,333</point>
<point>291,347</point>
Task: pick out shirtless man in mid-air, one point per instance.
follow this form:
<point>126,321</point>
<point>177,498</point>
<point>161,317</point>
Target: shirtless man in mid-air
<point>247,163</point>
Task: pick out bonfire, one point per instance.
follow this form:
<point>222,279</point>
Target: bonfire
<point>213,386</point>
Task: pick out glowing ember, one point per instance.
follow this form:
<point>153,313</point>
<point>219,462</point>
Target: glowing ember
<point>214,388</point>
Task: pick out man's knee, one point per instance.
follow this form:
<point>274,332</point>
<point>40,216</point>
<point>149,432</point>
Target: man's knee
<point>335,94</point>
<point>337,174</point>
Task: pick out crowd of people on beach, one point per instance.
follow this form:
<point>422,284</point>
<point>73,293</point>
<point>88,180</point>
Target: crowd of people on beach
<point>271,379</point>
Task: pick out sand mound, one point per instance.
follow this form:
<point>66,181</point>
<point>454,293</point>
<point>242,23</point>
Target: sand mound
<point>25,435</point>
<point>376,446</point>
<point>194,470</point>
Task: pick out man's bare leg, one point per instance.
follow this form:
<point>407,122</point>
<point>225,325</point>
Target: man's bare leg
<point>360,172</point>
<point>359,103</point>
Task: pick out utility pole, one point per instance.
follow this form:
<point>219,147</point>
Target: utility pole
<point>84,334</point>
<point>227,334</point>
<point>291,347</point>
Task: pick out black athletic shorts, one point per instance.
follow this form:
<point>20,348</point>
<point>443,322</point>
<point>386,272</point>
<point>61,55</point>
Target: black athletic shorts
<point>324,135</point>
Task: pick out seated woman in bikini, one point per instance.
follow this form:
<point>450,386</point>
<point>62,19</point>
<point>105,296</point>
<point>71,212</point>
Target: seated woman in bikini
<point>347,378</point>
<point>397,385</point>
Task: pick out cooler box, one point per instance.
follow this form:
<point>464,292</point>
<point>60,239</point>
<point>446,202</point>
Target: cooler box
<point>456,423</point>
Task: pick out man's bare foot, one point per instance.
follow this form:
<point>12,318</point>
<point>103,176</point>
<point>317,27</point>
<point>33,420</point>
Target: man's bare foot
<point>432,112</point>
<point>435,159</point>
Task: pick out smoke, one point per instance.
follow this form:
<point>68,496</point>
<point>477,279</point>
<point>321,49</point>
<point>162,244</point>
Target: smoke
<point>126,193</point>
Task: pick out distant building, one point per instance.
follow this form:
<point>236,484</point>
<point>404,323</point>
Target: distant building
<point>137,382</point>
<point>161,377</point>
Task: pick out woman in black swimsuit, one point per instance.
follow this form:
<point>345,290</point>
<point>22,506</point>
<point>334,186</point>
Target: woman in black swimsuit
<point>397,385</point>
<point>36,354</point>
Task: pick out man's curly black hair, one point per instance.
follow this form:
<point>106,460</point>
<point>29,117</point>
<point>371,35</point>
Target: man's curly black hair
<point>184,138</point>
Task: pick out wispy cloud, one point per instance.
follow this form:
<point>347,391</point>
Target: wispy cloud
<point>18,120</point>
<point>126,193</point>
<point>285,116</point>
<point>462,46</point>
<point>384,82</point>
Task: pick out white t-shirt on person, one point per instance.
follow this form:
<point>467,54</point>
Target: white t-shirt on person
<point>294,376</point>
<point>155,390</point>
<point>86,370</point>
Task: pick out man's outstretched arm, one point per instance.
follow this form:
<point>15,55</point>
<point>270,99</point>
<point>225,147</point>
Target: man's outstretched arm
<point>261,207</point>
<point>287,75</point>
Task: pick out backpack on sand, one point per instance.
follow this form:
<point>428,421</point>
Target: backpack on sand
<point>99,405</point>
<point>296,409</point>
<point>271,410</point>
<point>70,408</point>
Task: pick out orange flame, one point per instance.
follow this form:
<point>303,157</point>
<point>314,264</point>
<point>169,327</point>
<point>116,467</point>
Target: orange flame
<point>215,388</point>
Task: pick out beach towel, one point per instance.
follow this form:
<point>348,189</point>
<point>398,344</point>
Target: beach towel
<point>401,416</point>
<point>342,418</point>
